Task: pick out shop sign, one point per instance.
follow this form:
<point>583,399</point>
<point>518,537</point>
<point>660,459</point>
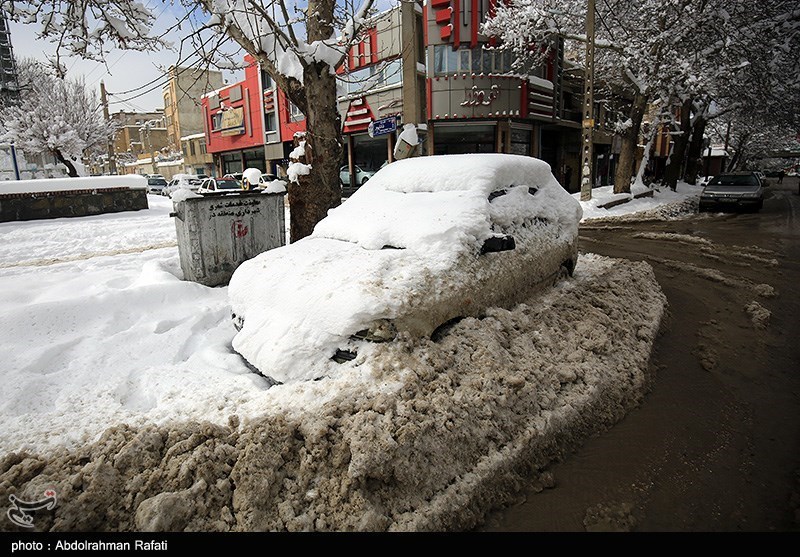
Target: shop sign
<point>232,121</point>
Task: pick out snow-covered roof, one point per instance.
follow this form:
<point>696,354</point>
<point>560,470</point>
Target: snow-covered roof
<point>177,162</point>
<point>193,136</point>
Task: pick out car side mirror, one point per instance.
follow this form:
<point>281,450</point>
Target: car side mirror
<point>498,243</point>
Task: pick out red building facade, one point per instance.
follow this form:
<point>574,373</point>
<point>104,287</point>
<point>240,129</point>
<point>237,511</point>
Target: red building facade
<point>234,123</point>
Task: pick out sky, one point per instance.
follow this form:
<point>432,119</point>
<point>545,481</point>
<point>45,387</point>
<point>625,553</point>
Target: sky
<point>99,328</point>
<point>124,71</point>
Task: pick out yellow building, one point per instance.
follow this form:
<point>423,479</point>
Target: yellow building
<point>182,93</point>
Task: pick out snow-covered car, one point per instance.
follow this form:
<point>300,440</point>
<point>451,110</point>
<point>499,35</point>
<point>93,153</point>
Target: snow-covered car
<point>183,181</point>
<point>426,241</point>
<point>734,190</point>
<point>219,185</point>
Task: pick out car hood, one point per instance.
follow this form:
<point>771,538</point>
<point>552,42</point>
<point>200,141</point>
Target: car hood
<point>277,292</point>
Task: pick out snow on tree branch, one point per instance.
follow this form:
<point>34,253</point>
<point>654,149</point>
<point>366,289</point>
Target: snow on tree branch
<point>88,28</point>
<point>54,115</point>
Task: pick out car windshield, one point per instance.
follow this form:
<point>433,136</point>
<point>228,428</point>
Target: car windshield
<point>228,185</point>
<point>746,180</point>
<point>156,182</point>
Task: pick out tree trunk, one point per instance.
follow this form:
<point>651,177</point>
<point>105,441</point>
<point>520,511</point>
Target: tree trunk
<point>318,192</point>
<point>71,172</point>
<point>694,161</point>
<point>630,140</point>
<point>679,144</point>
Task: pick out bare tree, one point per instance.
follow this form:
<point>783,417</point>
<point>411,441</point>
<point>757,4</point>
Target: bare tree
<point>685,52</point>
<point>53,115</point>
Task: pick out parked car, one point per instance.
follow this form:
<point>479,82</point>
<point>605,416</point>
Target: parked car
<point>219,185</point>
<point>156,184</point>
<point>361,176</point>
<point>426,241</point>
<point>735,190</point>
<point>761,176</point>
<point>704,180</point>
<point>188,181</point>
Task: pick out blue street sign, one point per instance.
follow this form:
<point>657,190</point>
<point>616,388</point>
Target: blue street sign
<point>382,126</point>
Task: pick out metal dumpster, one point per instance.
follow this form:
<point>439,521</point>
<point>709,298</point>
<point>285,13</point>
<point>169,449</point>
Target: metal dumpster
<point>217,233</point>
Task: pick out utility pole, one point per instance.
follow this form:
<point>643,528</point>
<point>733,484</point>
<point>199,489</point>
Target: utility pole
<point>588,108</point>
<point>727,141</point>
<point>112,159</point>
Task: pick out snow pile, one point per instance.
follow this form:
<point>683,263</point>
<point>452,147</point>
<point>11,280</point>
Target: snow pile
<point>275,186</point>
<point>182,194</point>
<point>252,175</point>
<point>297,169</point>
<point>299,151</point>
<point>430,438</point>
<point>664,205</point>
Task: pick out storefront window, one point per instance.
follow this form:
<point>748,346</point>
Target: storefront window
<point>520,142</point>
<point>254,158</point>
<point>232,163</point>
<point>452,140</point>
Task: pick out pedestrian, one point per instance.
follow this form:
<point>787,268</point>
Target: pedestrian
<point>780,176</point>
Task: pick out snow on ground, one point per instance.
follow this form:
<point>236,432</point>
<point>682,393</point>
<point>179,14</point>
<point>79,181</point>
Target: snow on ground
<point>100,331</point>
<point>664,203</point>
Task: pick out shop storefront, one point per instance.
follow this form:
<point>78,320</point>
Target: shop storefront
<point>233,162</point>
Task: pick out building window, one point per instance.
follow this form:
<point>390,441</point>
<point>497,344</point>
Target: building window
<point>203,147</point>
<point>373,77</point>
<point>269,122</point>
<point>216,121</point>
<point>392,73</point>
<point>470,60</point>
<point>192,148</point>
<point>420,36</point>
<point>295,113</point>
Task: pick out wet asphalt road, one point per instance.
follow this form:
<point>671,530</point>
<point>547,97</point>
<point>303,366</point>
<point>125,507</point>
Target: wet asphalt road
<point>715,446</point>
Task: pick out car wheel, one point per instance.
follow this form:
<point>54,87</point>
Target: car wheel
<point>440,331</point>
<point>364,181</point>
<point>561,275</point>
